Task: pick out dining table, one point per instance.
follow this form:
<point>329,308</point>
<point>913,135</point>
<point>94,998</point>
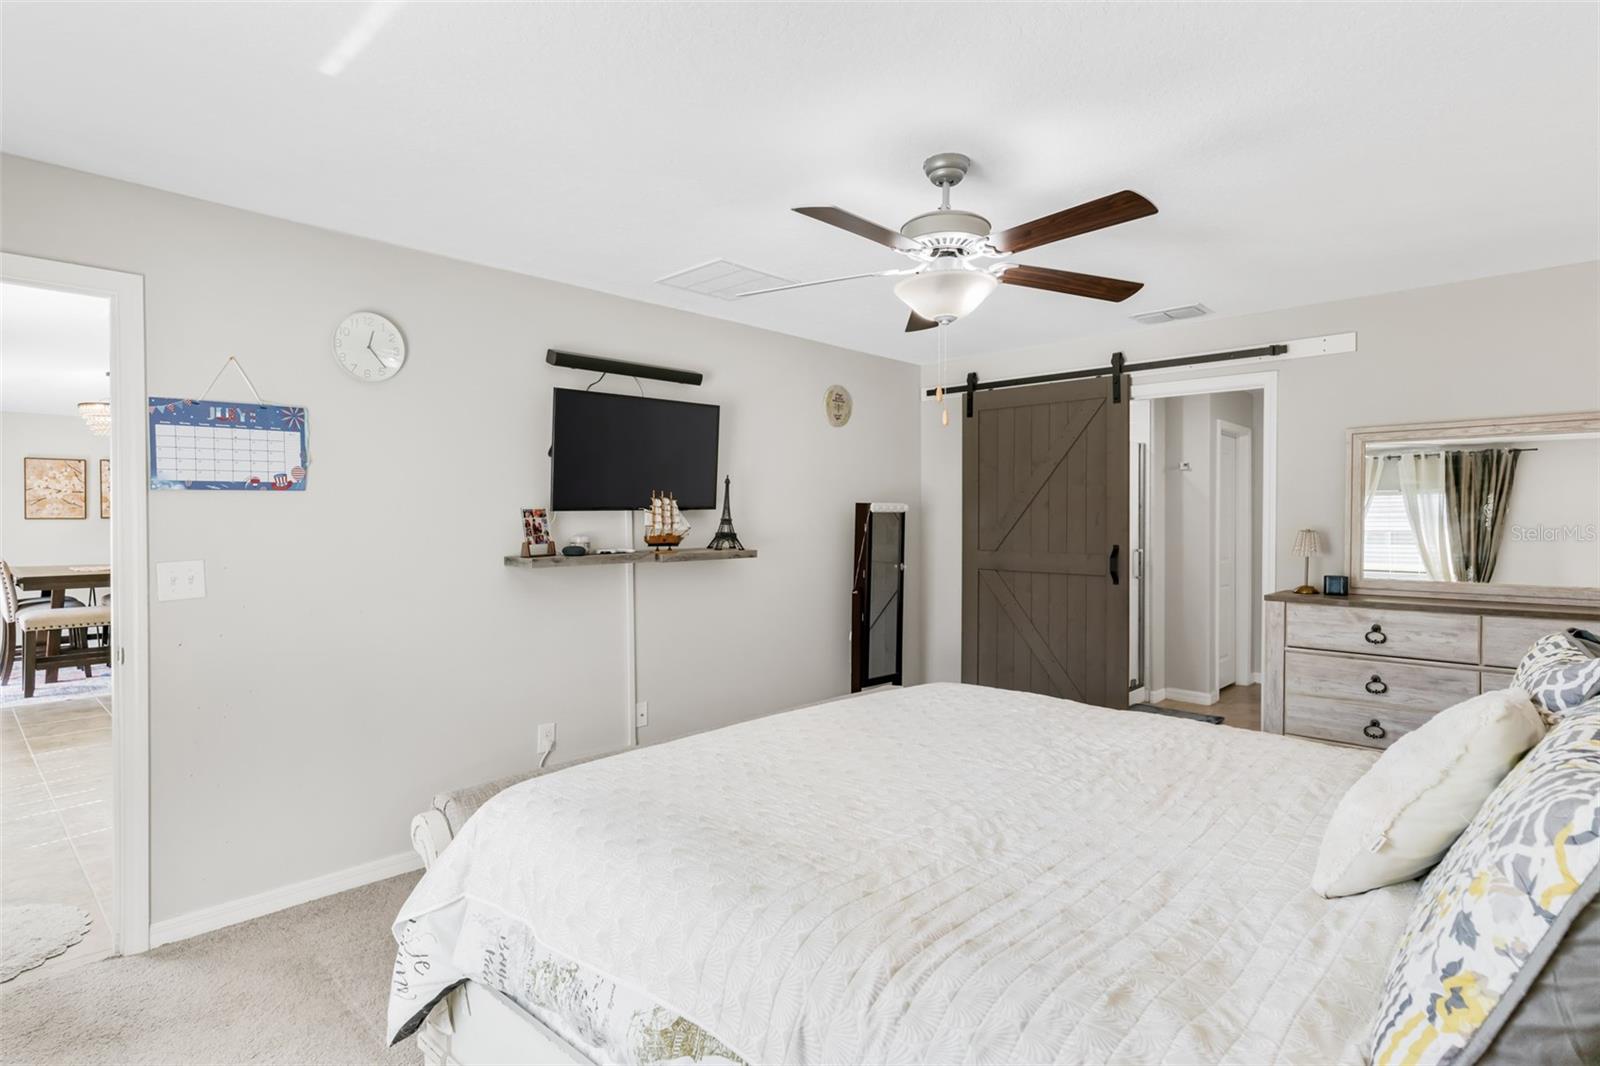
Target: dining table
<point>56,580</point>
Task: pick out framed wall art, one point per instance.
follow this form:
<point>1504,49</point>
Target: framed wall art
<point>55,488</point>
<point>105,488</point>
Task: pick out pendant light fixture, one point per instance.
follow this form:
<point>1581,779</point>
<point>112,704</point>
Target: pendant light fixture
<point>97,414</point>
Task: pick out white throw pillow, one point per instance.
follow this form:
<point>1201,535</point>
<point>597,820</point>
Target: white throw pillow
<point>1397,822</point>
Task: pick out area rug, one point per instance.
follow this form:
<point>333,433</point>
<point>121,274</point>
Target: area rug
<point>1193,716</point>
<point>72,686</point>
<point>31,933</point>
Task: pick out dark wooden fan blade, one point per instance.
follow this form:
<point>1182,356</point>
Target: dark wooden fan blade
<point>1090,285</point>
<point>1119,207</point>
<point>916,322</point>
<point>834,216</point>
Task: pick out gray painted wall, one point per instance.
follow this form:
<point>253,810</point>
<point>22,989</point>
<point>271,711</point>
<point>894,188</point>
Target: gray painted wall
<point>362,645</point>
<point>25,541</point>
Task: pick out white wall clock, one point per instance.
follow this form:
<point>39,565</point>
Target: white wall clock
<point>369,347</point>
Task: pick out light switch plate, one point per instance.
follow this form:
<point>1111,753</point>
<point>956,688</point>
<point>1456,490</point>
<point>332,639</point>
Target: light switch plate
<point>181,581</point>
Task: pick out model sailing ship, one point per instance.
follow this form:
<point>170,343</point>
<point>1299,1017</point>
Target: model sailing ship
<point>666,526</point>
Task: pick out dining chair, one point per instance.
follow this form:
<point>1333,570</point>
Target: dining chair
<point>12,607</point>
<point>37,622</point>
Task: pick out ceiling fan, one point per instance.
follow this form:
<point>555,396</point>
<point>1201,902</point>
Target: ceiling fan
<point>960,261</point>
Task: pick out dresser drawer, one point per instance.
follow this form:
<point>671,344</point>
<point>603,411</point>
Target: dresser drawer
<point>1495,680</point>
<point>1507,640</point>
<point>1346,722</point>
<point>1398,685</point>
<point>1451,638</point>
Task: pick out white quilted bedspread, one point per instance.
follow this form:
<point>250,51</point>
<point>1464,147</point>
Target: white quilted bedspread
<point>943,874</point>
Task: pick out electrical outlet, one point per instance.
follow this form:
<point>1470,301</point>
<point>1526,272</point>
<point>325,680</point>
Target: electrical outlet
<point>641,713</point>
<point>181,581</point>
<point>547,737</point>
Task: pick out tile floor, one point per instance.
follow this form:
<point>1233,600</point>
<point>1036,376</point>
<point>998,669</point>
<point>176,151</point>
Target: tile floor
<point>1239,705</point>
<point>55,815</point>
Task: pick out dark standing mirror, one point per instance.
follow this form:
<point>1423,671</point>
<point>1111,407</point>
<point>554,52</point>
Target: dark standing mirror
<point>878,595</point>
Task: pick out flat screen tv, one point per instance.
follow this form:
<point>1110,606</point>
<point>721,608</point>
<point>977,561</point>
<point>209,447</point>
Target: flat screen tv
<point>609,451</point>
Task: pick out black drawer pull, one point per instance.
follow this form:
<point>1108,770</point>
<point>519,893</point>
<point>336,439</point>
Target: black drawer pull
<point>1377,686</point>
<point>1376,635</point>
<point>1374,730</point>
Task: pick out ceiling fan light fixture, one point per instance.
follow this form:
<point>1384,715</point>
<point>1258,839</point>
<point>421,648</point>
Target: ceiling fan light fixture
<point>943,296</point>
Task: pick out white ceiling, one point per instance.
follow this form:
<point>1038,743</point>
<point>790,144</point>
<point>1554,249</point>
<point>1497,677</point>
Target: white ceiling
<point>55,350</point>
<point>1298,152</point>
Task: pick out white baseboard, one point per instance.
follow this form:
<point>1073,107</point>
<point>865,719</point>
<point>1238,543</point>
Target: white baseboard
<point>235,911</point>
<point>1156,695</point>
<point>1186,695</point>
<point>1255,677</point>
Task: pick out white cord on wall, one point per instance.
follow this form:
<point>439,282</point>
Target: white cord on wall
<point>630,668</point>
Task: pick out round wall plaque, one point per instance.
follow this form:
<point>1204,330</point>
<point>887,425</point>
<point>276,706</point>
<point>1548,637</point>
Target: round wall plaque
<point>836,402</point>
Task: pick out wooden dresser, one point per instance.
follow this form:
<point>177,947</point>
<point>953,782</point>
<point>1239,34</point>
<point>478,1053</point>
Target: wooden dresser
<point>1368,669</point>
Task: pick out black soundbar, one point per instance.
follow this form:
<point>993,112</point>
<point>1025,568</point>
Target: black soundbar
<point>594,364</point>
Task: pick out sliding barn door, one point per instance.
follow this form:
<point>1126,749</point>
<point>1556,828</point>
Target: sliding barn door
<point>1044,555</point>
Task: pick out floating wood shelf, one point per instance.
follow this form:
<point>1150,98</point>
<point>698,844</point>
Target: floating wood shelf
<point>678,555</point>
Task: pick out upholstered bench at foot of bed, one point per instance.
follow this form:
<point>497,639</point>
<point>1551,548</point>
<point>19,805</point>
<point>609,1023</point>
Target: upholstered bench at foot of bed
<point>438,825</point>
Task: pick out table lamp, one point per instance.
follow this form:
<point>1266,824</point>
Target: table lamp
<point>1307,543</point>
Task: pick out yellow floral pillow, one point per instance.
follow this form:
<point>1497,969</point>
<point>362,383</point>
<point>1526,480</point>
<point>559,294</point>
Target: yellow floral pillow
<point>1490,915</point>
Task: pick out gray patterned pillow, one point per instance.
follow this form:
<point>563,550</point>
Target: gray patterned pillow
<point>1562,671</point>
<point>1494,914</point>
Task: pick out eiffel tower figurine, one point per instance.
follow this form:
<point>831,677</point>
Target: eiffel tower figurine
<point>726,539</point>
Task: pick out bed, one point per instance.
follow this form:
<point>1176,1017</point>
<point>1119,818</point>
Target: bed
<point>945,873</point>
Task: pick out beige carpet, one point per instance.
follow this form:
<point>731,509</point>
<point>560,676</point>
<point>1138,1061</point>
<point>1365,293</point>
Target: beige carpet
<point>306,985</point>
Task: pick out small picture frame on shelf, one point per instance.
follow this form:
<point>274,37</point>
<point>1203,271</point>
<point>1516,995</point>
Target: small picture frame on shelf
<point>536,535</point>
<point>1335,585</point>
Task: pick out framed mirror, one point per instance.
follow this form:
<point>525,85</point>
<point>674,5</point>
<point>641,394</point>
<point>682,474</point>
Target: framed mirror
<point>1497,509</point>
<point>877,626</point>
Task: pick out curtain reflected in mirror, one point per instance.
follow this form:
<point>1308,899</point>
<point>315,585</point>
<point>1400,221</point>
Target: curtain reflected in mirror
<point>1520,511</point>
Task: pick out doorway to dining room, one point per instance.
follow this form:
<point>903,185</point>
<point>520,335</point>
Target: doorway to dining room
<point>61,890</point>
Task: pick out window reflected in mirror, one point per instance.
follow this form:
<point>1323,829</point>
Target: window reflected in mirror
<point>1518,511</point>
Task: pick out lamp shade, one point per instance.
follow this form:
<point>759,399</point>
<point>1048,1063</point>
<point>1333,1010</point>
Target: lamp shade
<point>1307,542</point>
<point>944,295</point>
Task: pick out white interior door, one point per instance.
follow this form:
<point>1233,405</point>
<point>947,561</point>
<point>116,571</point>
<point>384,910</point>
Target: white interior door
<point>1227,570</point>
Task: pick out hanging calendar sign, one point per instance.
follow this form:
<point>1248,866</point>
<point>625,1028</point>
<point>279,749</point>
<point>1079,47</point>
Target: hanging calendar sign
<point>215,444</point>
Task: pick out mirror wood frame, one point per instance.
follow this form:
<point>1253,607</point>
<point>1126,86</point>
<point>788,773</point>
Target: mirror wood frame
<point>1512,428</point>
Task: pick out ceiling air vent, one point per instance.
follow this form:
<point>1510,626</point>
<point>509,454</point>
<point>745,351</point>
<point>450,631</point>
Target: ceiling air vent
<point>1172,314</point>
<point>722,279</point>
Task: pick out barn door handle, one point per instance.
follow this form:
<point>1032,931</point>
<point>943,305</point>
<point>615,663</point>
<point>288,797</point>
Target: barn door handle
<point>1116,576</point>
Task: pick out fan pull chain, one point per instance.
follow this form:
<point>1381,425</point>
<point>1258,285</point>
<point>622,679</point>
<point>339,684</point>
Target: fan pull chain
<point>944,413</point>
